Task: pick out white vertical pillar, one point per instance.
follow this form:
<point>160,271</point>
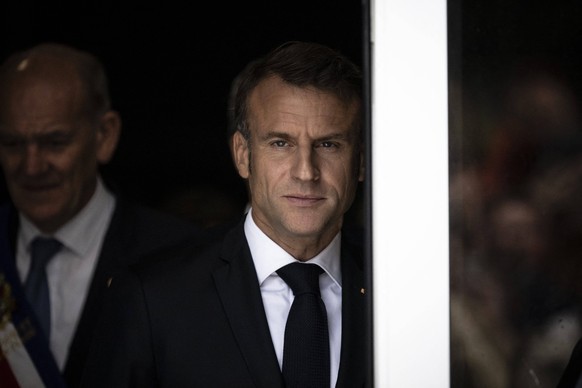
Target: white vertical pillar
<point>410,193</point>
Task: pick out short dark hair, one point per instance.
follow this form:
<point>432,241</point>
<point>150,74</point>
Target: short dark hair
<point>89,70</point>
<point>301,64</point>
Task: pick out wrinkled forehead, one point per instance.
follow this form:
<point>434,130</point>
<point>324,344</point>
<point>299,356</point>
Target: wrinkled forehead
<point>22,91</point>
<point>274,94</point>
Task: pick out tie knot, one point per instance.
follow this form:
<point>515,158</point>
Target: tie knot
<point>302,278</point>
<point>43,249</point>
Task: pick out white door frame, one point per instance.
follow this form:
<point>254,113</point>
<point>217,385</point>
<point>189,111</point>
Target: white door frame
<point>410,226</point>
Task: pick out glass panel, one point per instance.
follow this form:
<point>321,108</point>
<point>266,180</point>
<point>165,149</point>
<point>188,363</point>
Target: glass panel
<point>515,189</point>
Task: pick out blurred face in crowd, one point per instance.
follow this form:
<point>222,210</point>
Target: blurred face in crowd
<point>302,162</point>
<point>49,147</point>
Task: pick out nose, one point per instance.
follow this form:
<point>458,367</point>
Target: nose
<point>306,165</point>
<point>33,162</point>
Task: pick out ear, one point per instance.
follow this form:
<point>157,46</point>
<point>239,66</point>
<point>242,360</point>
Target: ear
<point>362,166</point>
<point>240,151</point>
<point>108,136</point>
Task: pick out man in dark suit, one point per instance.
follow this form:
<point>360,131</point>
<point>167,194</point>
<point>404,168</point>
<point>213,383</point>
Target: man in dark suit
<point>56,128</point>
<point>220,316</point>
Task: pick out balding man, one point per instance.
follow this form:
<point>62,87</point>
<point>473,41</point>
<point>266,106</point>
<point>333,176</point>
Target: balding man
<point>64,235</point>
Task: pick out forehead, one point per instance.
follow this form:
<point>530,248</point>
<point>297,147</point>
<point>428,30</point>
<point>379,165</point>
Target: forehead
<point>274,102</point>
<point>32,99</point>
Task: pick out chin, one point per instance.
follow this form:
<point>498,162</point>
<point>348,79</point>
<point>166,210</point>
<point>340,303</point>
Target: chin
<point>305,229</point>
<point>43,215</point>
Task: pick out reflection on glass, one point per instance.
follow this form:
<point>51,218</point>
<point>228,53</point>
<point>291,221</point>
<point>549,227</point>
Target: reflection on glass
<point>515,195</point>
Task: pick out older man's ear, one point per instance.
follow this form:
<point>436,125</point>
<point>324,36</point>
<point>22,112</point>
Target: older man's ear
<point>108,136</point>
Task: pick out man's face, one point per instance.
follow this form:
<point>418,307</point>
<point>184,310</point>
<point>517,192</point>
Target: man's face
<point>48,150</point>
<point>302,164</point>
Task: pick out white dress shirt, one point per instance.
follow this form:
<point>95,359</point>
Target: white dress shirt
<point>277,296</point>
<point>70,271</point>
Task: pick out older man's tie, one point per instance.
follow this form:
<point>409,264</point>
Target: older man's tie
<point>36,286</point>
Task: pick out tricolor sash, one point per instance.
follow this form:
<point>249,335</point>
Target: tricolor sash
<point>25,357</point>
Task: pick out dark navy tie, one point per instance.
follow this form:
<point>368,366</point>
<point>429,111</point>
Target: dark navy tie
<point>36,286</point>
<point>306,350</point>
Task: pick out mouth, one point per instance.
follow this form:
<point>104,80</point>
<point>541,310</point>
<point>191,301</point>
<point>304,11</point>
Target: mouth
<point>304,200</point>
<point>33,187</point>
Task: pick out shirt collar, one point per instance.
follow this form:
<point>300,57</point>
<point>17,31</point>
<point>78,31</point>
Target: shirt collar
<point>77,234</point>
<point>268,257</point>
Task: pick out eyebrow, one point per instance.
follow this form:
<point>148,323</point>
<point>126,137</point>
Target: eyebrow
<point>272,134</point>
<point>334,136</point>
<point>285,135</point>
<point>56,133</point>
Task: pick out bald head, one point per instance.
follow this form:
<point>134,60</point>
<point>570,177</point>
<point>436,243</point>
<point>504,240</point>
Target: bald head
<point>56,128</point>
<point>58,66</point>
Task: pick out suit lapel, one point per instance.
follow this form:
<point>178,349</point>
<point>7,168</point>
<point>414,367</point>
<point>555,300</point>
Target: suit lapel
<point>238,288</point>
<point>133,233</point>
<point>112,251</point>
<point>354,361</point>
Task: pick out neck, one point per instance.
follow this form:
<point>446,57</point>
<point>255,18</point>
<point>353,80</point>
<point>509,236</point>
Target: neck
<point>302,248</point>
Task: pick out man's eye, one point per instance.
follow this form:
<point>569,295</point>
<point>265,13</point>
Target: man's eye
<point>327,144</point>
<point>54,143</point>
<point>11,143</point>
<point>279,143</point>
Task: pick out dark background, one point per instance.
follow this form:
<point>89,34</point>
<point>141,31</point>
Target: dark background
<point>498,38</point>
<point>170,66</point>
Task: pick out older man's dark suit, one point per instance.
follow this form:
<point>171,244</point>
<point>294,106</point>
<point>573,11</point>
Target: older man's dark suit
<point>198,320</point>
<point>134,232</point>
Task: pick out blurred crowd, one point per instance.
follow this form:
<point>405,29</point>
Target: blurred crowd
<point>516,228</point>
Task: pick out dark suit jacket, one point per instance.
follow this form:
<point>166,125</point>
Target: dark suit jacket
<point>573,370</point>
<point>197,320</point>
<point>134,231</point>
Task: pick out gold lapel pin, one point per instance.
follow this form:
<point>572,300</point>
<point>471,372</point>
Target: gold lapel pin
<point>109,282</point>
<point>362,291</point>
